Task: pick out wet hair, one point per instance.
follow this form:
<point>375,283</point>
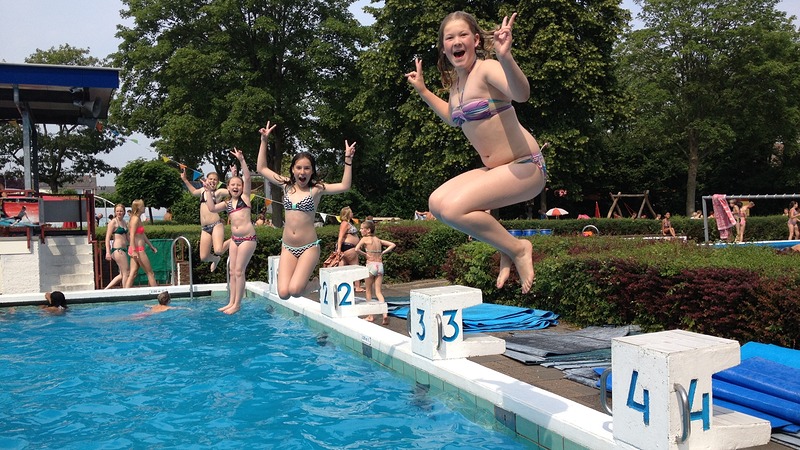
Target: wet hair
<point>163,298</point>
<point>314,180</point>
<point>370,225</point>
<point>346,214</point>
<point>484,48</point>
<point>56,298</point>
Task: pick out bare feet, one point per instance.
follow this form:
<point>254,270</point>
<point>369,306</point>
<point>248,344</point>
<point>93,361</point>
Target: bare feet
<point>369,319</point>
<point>505,270</point>
<point>385,321</point>
<point>214,263</point>
<point>524,264</point>
<point>226,307</point>
<point>232,310</point>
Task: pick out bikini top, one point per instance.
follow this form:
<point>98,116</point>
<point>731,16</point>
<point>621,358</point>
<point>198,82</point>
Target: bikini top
<point>240,204</point>
<point>120,230</point>
<point>305,205</point>
<point>352,229</point>
<point>478,110</point>
<point>140,230</point>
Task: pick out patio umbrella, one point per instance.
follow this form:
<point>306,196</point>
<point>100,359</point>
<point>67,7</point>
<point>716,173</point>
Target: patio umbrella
<point>597,209</point>
<point>557,212</point>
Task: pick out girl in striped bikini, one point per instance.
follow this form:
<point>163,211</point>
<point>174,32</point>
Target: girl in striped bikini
<point>301,194</point>
<point>243,233</point>
<point>481,91</point>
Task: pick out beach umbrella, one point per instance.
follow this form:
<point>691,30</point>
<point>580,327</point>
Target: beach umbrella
<point>556,212</point>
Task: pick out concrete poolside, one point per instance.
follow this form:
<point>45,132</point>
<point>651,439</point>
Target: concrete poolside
<point>549,379</point>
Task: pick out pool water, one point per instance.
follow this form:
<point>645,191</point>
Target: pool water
<point>107,376</point>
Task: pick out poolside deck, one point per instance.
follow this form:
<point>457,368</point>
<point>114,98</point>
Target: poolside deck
<point>549,379</point>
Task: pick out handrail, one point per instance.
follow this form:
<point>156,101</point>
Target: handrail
<point>604,391</point>
<point>173,264</point>
<point>683,408</point>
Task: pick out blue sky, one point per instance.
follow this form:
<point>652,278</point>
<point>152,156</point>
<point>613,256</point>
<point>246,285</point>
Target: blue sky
<point>26,26</point>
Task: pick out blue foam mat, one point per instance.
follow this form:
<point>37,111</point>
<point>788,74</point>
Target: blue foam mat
<point>776,353</point>
<point>488,317</point>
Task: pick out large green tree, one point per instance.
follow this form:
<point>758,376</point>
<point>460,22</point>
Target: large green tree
<point>65,152</point>
<point>202,77</point>
<point>714,85</point>
<point>564,47</point>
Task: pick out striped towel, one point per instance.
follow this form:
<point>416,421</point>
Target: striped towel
<point>722,215</point>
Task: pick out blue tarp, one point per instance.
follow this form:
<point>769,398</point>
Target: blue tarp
<point>488,317</point>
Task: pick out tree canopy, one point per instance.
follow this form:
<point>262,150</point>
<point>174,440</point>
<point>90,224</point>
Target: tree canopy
<point>714,85</point>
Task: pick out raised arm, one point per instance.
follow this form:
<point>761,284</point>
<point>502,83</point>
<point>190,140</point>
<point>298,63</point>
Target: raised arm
<point>439,106</point>
<point>347,176</point>
<point>261,161</point>
<point>193,190</point>
<point>245,172</point>
<point>510,79</point>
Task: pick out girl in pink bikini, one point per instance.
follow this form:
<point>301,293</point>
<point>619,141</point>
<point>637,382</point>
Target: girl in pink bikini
<point>373,249</point>
<point>481,92</point>
<point>302,191</point>
<point>243,233</point>
<point>137,240</point>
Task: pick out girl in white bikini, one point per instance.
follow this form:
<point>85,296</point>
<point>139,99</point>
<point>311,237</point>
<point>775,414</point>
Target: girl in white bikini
<point>373,250</point>
<point>301,194</point>
<point>481,92</point>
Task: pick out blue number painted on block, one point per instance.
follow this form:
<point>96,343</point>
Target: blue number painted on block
<point>703,414</point>
<point>421,336</point>
<point>451,314</point>
<point>325,292</point>
<point>345,300</point>
<point>643,407</point>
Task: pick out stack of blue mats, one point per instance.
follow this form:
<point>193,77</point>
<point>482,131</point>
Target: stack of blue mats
<point>766,385</point>
<point>488,317</point>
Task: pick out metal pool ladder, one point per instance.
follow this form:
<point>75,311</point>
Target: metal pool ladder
<point>173,265</point>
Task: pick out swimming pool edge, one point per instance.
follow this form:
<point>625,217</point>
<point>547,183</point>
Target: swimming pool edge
<point>546,419</point>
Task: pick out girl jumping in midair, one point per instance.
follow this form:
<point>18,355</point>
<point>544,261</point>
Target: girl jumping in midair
<point>302,191</point>
<point>243,233</point>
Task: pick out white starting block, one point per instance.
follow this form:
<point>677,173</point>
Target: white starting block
<point>435,324</point>
<point>337,294</point>
<point>662,393</point>
<point>272,271</point>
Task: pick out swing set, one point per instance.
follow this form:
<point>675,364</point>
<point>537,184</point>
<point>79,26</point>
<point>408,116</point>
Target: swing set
<point>616,201</point>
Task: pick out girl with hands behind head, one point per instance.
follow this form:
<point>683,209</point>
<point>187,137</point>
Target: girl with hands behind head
<point>302,191</point>
<point>243,233</point>
<point>480,94</point>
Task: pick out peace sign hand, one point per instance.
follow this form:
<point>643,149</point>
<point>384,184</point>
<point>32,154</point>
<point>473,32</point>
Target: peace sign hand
<point>502,37</point>
<point>415,77</point>
<point>267,130</point>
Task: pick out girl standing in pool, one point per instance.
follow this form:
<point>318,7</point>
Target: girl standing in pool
<point>116,249</point>
<point>212,234</point>
<point>481,92</point>
<point>243,233</point>
<point>136,242</point>
<point>373,250</point>
<point>302,191</point>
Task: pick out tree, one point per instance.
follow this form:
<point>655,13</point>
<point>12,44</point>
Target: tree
<point>66,152</point>
<point>202,78</point>
<point>158,184</point>
<point>564,47</point>
<point>715,82</point>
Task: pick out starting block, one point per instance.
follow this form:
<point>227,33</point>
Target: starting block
<point>663,394</point>
<point>435,324</point>
<point>337,294</point>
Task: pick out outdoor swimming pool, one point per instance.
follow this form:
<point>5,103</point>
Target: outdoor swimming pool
<point>104,376</point>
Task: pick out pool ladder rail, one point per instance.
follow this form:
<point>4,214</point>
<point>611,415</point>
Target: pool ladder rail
<point>174,265</point>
